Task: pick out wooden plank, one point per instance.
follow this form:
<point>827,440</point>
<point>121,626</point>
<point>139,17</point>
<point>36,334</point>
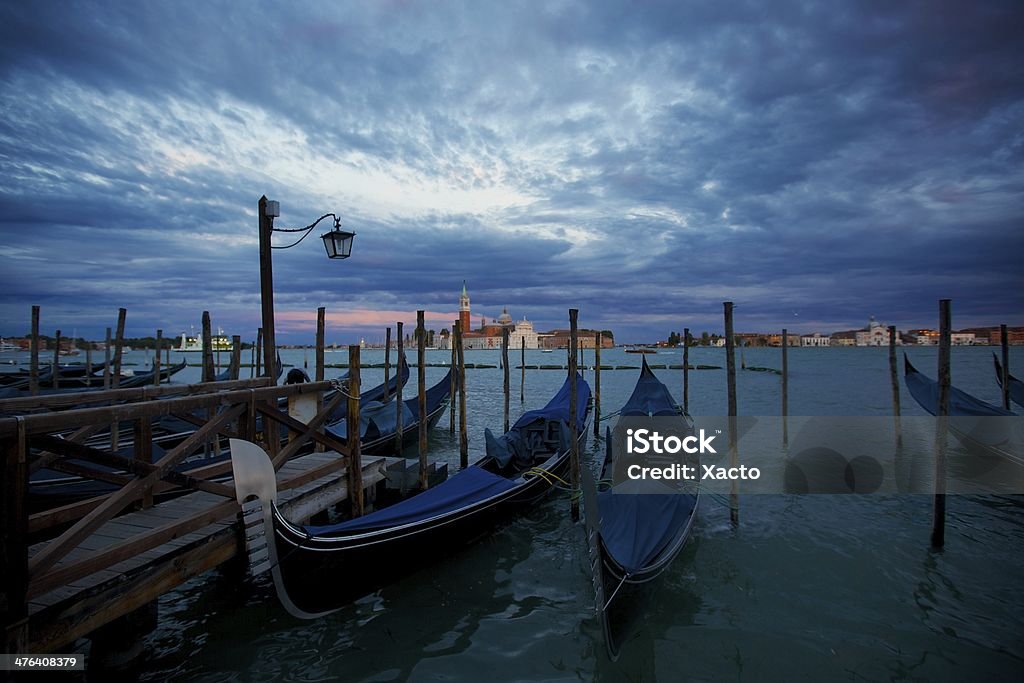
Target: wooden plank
<point>50,630</point>
<point>116,552</point>
<point>116,502</point>
<point>54,422</point>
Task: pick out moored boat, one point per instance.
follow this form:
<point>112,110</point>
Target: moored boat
<point>1016,386</point>
<point>635,529</point>
<point>317,568</point>
<point>970,418</point>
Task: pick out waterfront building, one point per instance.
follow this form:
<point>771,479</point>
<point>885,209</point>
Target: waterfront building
<point>875,334</point>
<point>815,340</point>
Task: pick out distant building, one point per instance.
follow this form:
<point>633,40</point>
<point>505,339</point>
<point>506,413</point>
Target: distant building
<point>489,335</point>
<point>585,339</point>
<point>875,334</point>
<point>776,340</point>
<point>815,340</point>
<point>845,338</point>
<point>961,339</point>
<point>925,337</point>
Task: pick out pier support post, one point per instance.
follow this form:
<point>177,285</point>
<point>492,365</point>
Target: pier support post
<point>266,228</point>
<point>13,537</point>
<point>574,504</point>
<point>730,378</point>
<point>939,501</point>
<point>258,365</point>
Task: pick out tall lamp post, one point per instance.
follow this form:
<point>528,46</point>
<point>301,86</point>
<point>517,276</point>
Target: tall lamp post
<point>337,242</point>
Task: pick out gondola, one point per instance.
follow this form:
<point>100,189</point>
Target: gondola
<point>378,421</point>
<point>635,529</point>
<point>1016,386</point>
<point>50,488</point>
<point>969,417</point>
<point>318,568</point>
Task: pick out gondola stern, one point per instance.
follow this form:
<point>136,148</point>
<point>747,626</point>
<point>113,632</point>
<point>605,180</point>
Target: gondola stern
<point>256,492</point>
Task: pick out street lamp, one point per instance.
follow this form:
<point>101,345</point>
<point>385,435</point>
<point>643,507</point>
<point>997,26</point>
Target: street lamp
<point>337,242</point>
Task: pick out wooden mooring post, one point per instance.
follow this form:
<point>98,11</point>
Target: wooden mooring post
<point>522,368</point>
<point>387,365</point>
<point>355,461</point>
<point>33,368</point>
<point>400,339</point>
<point>463,433</point>
<point>208,370</point>
<point>421,380</point>
<point>258,365</point>
<point>1004,342</point>
<point>574,458</point>
<point>504,365</point>
<point>156,357</point>
<point>236,356</point>
<point>894,381</point>
<point>453,385</point>
<point>785,388</point>
<point>597,385</point>
<point>730,380</point>
<point>939,501</point>
<point>321,333</point>
<point>108,373</point>
<point>118,347</point>
<point>686,370</point>
<point>55,378</point>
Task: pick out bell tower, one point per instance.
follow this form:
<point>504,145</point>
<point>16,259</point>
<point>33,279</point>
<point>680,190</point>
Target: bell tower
<point>464,309</point>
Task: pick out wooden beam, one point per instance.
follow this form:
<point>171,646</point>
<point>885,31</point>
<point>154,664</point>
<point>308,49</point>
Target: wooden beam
<point>574,459</point>
<point>421,381</point>
<point>140,543</point>
<point>70,539</point>
<point>289,451</point>
<point>355,461</point>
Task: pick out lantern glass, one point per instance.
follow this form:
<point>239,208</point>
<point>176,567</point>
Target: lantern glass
<point>338,243</point>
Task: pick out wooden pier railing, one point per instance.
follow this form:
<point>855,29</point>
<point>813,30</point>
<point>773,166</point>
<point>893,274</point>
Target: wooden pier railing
<point>57,440</point>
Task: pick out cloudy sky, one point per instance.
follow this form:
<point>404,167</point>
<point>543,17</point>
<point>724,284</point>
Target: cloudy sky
<point>815,162</point>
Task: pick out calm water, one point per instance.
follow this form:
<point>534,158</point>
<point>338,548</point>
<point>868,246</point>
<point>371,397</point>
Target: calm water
<point>807,587</point>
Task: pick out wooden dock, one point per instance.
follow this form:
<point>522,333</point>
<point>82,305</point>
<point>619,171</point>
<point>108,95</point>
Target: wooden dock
<point>67,612</point>
<point>117,553</point>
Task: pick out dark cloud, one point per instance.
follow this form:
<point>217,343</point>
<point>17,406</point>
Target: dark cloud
<point>642,162</point>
